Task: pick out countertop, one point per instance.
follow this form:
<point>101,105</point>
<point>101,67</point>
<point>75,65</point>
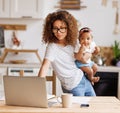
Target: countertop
<point>113,68</point>
<point>108,69</point>
<point>37,65</point>
<point>34,65</point>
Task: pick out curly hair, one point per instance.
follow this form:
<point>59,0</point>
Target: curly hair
<point>72,28</point>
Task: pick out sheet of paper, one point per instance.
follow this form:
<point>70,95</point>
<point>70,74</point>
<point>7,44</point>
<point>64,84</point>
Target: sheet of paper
<point>81,100</point>
<point>49,96</point>
<point>75,99</point>
<point>52,100</point>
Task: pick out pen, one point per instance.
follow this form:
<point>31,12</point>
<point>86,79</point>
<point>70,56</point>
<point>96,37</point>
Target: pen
<point>84,105</point>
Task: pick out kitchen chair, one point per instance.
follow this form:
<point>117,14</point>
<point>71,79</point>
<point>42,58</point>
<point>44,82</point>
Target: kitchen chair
<point>48,78</point>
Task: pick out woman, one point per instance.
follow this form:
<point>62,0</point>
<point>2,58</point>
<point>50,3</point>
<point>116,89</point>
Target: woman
<point>60,33</point>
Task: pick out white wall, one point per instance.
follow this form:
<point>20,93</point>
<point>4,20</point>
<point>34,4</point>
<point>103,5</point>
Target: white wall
<point>30,38</point>
<point>99,18</point>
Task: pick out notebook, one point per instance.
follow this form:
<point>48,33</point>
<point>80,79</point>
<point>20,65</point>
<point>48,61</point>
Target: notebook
<point>25,91</point>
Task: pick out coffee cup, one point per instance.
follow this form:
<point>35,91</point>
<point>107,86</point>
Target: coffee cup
<point>66,100</point>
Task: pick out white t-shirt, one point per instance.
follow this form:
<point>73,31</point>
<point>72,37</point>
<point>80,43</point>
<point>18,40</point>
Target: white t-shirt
<point>63,63</point>
<point>92,47</point>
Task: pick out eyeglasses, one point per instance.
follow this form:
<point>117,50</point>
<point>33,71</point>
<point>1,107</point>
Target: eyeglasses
<point>62,30</point>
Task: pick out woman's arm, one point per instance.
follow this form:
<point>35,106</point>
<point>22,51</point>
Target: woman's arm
<point>44,68</point>
<point>79,55</point>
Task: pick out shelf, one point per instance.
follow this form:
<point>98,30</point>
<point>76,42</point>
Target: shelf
<point>13,27</point>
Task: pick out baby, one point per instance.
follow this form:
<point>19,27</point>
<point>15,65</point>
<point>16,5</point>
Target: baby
<point>87,46</point>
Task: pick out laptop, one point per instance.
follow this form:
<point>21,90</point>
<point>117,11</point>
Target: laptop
<point>25,91</point>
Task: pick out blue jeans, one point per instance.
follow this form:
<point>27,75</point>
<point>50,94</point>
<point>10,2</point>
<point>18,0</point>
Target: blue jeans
<point>84,88</point>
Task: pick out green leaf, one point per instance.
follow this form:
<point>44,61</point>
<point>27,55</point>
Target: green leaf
<point>116,50</point>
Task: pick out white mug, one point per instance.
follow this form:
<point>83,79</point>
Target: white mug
<point>66,100</point>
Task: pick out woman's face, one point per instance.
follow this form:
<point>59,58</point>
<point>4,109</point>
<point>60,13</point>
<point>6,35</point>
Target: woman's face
<point>60,30</point>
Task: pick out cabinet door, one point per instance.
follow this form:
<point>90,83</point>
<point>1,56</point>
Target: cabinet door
<point>19,71</point>
<point>3,71</point>
<point>4,8</point>
<point>26,8</point>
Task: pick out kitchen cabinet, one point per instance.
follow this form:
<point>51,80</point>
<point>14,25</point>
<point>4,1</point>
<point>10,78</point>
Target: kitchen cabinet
<point>4,8</point>
<point>111,71</point>
<point>21,8</point>
<point>107,85</point>
<point>3,71</point>
<point>22,71</point>
<point>26,8</point>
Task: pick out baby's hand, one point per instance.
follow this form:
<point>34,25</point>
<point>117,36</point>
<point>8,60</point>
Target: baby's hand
<point>97,50</point>
<point>82,47</point>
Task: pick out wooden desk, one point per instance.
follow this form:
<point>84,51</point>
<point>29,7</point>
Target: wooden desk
<point>97,105</point>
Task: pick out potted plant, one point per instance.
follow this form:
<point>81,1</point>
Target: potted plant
<point>116,53</point>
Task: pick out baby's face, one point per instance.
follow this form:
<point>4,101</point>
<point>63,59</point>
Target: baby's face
<point>86,39</point>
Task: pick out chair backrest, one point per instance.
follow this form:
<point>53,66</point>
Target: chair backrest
<point>53,80</point>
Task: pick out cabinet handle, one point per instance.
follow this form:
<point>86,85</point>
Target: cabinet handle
<point>15,71</point>
<point>27,71</point>
<point>26,16</point>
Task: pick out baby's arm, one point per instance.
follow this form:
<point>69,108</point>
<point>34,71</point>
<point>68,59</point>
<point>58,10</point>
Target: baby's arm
<point>87,56</point>
<point>96,51</point>
<point>81,56</point>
